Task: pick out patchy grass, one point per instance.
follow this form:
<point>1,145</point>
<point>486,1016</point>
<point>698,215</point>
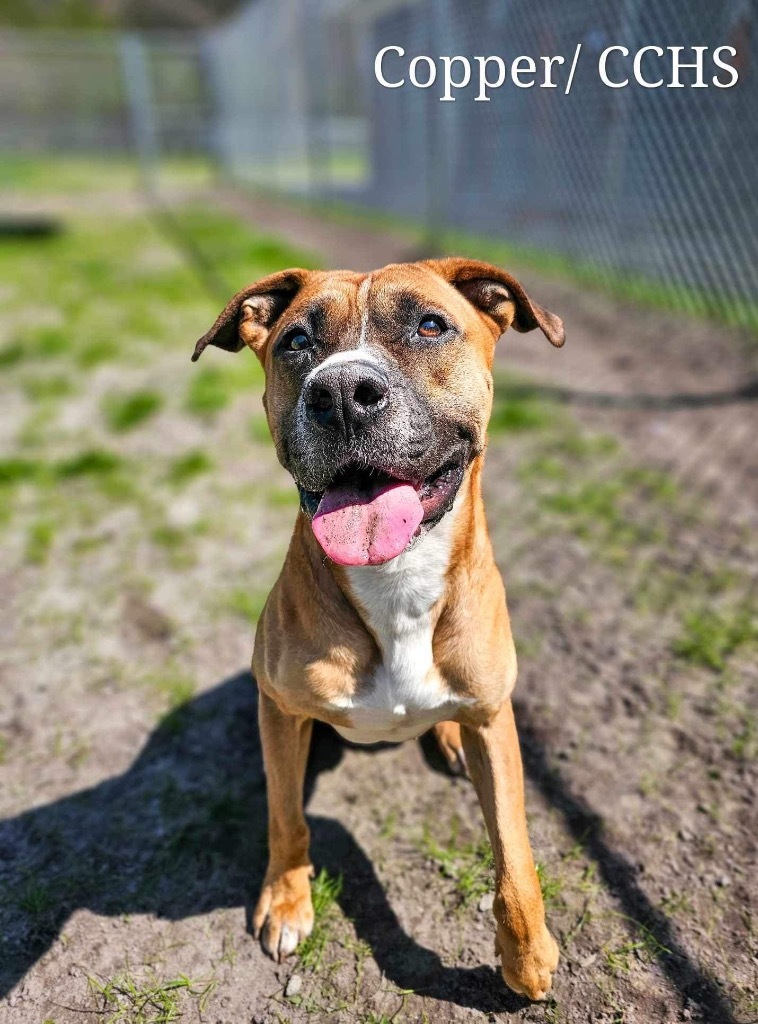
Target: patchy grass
<point>246,603</point>
<point>188,466</point>
<point>551,886</point>
<point>39,541</point>
<point>46,387</point>
<point>91,462</point>
<point>238,254</point>
<point>212,387</point>
<point>469,865</point>
<point>325,892</point>
<point>37,899</point>
<point>148,1000</point>
<point>517,408</point>
<point>174,687</point>
<point>177,543</point>
<point>114,295</point>
<point>616,509</point>
<point>124,412</point>
<point>259,429</point>
<point>61,174</point>
<point>709,636</point>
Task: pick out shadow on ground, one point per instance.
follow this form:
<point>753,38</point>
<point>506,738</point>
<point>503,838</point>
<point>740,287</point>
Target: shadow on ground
<point>182,832</point>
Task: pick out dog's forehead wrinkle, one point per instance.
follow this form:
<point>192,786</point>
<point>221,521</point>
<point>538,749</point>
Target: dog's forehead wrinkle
<point>364,293</point>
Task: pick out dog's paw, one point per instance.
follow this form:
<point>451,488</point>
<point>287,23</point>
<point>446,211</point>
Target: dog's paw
<point>528,970</point>
<point>448,736</point>
<point>284,914</point>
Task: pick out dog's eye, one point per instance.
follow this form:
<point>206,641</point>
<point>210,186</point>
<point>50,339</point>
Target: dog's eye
<point>297,341</point>
<point>431,327</point>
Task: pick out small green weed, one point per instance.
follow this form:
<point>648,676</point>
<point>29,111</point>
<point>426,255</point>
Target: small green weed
<point>17,471</point>
<point>325,892</point>
<point>92,462</point>
<point>176,543</point>
<point>124,412</point>
<point>517,409</point>
<point>37,899</point>
<point>676,902</point>
<point>259,429</point>
<point>248,604</point>
<point>550,886</point>
<point>40,388</point>
<point>708,636</point>
<point>213,387</point>
<point>207,393</point>
<point>39,540</point>
<point>469,865</point>
<point>187,467</point>
<point>152,1001</point>
<point>175,688</point>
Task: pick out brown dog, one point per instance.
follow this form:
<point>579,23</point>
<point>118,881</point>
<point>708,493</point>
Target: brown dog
<point>389,616</point>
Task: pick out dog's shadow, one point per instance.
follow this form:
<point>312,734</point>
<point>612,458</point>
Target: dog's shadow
<point>182,832</point>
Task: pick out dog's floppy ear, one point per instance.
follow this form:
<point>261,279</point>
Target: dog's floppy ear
<point>248,318</point>
<point>498,295</point>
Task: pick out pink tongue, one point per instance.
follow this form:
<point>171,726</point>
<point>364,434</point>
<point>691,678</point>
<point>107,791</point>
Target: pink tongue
<point>355,529</point>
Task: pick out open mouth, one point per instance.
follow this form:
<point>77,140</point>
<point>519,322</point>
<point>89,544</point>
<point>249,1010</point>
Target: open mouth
<point>366,516</point>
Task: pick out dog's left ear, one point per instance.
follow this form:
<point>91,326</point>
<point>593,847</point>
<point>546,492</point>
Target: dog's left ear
<point>499,296</point>
<point>249,317</point>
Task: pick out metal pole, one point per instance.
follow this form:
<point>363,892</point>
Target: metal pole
<point>137,82</point>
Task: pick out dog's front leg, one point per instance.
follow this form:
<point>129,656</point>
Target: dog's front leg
<point>528,951</point>
<point>284,914</point>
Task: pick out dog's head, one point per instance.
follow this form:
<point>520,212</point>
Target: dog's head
<point>378,387</point>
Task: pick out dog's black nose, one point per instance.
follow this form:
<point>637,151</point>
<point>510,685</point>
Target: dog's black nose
<point>346,395</point>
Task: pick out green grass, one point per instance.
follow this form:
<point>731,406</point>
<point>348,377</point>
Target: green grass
<point>46,387</point>
<point>176,543</point>
<point>516,409</point>
<point>325,892</point>
<point>618,510</point>
<point>187,467</point>
<point>74,175</point>
<point>125,999</point>
<point>91,462</point>
<point>259,429</point>
<point>174,687</point>
<point>123,412</point>
<point>213,386</point>
<point>39,541</point>
<point>709,636</point>
<point>87,463</point>
<point>208,393</point>
<point>246,603</point>
<point>114,295</point>
<point>37,899</point>
<point>469,865</point>
<point>551,887</point>
<point>238,254</point>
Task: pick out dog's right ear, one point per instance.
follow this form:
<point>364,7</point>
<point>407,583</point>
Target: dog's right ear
<point>249,317</point>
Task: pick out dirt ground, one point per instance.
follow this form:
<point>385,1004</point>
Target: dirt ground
<point>144,518</point>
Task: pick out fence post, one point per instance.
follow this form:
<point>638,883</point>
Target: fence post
<point>436,170</point>
<point>144,129</point>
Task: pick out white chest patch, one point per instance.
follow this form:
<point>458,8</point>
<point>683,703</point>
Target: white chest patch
<point>406,695</point>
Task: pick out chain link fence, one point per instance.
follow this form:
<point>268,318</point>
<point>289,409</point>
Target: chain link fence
<point>104,94</point>
<point>651,192</point>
